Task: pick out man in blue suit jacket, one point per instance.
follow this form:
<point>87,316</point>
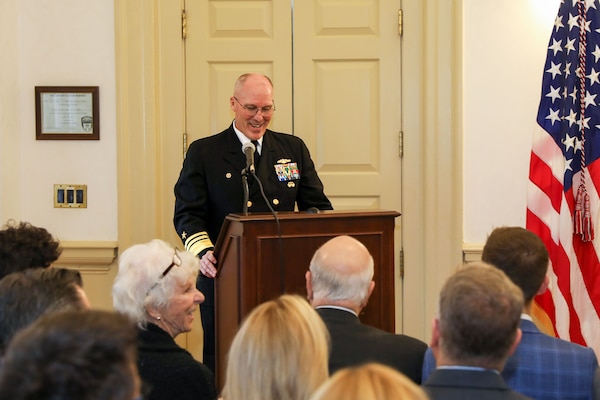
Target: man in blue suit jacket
<point>476,329</point>
<point>542,367</point>
<point>210,183</point>
<point>339,283</point>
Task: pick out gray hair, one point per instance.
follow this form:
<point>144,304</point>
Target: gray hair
<point>140,281</point>
<point>331,284</point>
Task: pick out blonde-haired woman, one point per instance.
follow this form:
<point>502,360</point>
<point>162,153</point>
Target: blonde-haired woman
<point>279,353</point>
<point>370,381</point>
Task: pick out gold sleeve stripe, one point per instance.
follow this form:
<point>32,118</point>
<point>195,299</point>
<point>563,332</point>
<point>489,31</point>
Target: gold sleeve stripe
<point>198,242</point>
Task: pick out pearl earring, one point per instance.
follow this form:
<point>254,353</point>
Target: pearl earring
<point>158,318</point>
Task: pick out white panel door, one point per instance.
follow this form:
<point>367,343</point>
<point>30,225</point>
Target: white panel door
<point>335,66</point>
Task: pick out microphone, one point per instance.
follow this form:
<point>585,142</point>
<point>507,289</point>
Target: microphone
<point>248,149</point>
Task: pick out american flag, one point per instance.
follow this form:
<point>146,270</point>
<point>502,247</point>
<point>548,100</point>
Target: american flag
<point>563,194</point>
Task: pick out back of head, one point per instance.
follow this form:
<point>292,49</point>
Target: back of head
<point>75,355</point>
<point>522,256</point>
<point>479,314</point>
<point>141,280</point>
<point>369,382</point>
<point>279,353</point>
<point>341,271</point>
<point>29,294</point>
<point>23,246</point>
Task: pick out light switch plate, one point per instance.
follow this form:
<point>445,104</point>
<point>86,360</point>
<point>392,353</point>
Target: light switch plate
<point>70,196</point>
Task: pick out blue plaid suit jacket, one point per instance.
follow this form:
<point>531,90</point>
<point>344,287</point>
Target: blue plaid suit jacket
<point>544,367</point>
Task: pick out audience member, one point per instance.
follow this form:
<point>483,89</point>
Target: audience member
<point>476,330</point>
<point>371,381</point>
<point>73,355</point>
<point>542,367</point>
<point>27,295</point>
<point>279,353</point>
<point>156,287</point>
<point>339,283</point>
<point>23,246</point>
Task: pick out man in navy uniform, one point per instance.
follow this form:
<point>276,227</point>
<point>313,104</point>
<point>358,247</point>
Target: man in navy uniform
<point>210,183</point>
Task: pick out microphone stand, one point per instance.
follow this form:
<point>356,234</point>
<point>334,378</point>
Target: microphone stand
<point>246,191</point>
<point>245,174</point>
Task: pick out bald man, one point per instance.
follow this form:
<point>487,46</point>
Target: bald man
<point>339,284</point>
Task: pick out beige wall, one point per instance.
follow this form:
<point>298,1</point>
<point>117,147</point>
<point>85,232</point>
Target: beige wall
<point>60,43</point>
<point>57,43</point>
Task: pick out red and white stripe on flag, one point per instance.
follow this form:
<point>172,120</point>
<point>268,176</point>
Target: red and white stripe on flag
<point>573,297</point>
<point>563,205</point>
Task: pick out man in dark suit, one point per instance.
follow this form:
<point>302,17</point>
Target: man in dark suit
<point>476,329</point>
<point>210,184</point>
<point>542,367</point>
<point>339,283</point>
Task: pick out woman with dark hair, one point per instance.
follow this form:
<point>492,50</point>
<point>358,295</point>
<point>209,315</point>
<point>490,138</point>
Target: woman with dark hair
<point>27,295</point>
<point>72,355</point>
<point>24,246</point>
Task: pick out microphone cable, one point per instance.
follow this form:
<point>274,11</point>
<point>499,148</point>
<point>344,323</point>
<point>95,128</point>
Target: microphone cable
<point>280,239</point>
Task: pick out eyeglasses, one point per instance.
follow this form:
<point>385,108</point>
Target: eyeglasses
<point>252,109</point>
<point>176,263</point>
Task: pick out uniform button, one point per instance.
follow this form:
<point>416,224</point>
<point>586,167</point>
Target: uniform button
<point>276,201</point>
<point>249,203</point>
<point>228,175</point>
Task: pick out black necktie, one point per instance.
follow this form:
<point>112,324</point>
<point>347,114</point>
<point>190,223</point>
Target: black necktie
<point>256,154</point>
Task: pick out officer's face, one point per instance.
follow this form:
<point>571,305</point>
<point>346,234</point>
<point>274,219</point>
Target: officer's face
<point>253,106</point>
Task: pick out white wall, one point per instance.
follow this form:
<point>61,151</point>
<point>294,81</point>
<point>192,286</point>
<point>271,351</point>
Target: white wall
<point>505,44</point>
<point>57,43</point>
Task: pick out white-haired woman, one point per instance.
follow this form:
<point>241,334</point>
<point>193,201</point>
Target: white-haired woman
<point>156,287</point>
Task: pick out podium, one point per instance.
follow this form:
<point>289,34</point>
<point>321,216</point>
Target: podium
<point>261,257</point>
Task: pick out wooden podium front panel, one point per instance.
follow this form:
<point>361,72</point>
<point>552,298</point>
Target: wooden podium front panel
<point>258,261</point>
<point>286,273</point>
